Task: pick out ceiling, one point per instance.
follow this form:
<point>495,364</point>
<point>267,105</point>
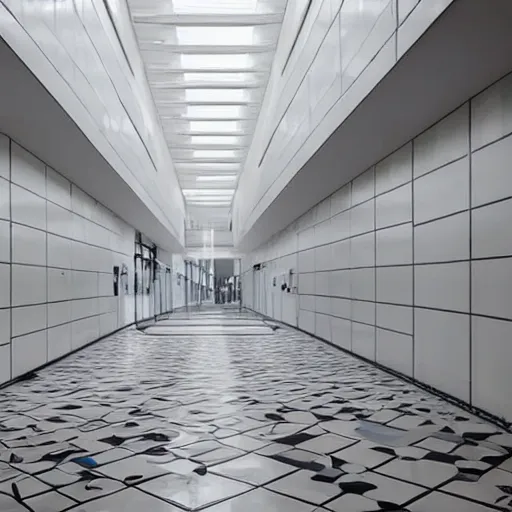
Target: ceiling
<point>208,64</point>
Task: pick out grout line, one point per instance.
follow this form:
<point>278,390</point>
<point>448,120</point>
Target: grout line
<point>470,269</point>
<point>10,255</point>
<point>414,264</point>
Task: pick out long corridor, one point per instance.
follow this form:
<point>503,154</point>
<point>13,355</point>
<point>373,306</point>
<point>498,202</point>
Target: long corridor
<point>220,410</point>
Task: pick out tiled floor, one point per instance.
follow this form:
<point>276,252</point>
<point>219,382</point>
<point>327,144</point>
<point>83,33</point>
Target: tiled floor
<point>234,423</point>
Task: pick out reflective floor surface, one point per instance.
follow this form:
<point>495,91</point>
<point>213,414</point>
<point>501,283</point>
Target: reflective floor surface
<point>225,413</point>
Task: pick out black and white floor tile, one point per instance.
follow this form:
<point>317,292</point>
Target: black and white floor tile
<point>227,422</point>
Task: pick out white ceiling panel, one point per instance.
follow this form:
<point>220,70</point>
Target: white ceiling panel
<point>208,64</point>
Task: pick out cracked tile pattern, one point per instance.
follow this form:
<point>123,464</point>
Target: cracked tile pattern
<point>239,423</point>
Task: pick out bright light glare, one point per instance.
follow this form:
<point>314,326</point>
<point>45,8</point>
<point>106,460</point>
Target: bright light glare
<point>216,77</point>
<point>214,61</point>
<point>214,6</point>
<point>214,126</point>
<point>230,95</point>
<point>225,141</point>
<point>200,192</point>
<point>220,36</point>
<point>216,178</point>
<point>214,153</point>
<point>214,111</point>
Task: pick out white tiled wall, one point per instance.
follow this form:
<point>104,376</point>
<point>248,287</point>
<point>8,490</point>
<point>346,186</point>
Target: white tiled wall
<point>414,269</point>
<point>58,247</point>
<point>344,49</point>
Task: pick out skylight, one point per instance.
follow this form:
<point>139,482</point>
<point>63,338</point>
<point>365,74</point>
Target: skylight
<point>214,6</point>
<point>223,36</point>
<point>214,153</point>
<point>216,61</point>
<point>213,140</point>
<point>213,112</point>
<point>214,126</point>
<point>215,95</point>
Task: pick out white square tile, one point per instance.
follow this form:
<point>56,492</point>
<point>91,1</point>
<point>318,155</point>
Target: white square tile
<point>5,206</point>
<point>59,341</point>
<point>28,353</point>
<point>84,331</point>
<point>394,207</point>
<point>395,170</point>
<point>341,307</point>
<point>58,188</point>
<point>340,225</point>
<point>394,245</point>
<point>491,376</point>
<point>440,501</point>
<point>341,330</point>
<point>341,200</point>
<point>59,285</point>
<point>4,157</point>
<point>253,469</point>
<point>59,251</point>
<point>59,313</point>
<point>491,113</point>
<point>363,187</point>
<point>307,284</point>
<point>27,171</point>
<point>396,318</point>
<point>323,305</point>
<point>324,233</point>
<point>442,240</point>
<point>340,283</point>
<point>28,245</point>
<point>300,485</point>
<point>84,308</point>
<point>362,250</point>
<point>394,350</point>
<point>442,286</point>
<point>307,261</point>
<point>28,285</point>
<point>442,351</point>
<point>490,173</point>
<point>194,491</point>
<point>394,285</point>
<point>84,284</point>
<point>446,141</point>
<point>28,208</point>
<point>442,192</point>
<point>5,326</point>
<point>362,218</point>
<point>341,254</point>
<point>5,363</point>
<point>492,287</point>
<point>60,220</point>
<point>28,319</point>
<point>307,302</point>
<point>323,257</point>
<point>490,227</point>
<point>363,283</point>
<point>5,289</point>
<point>307,321</point>
<point>363,340</point>
<point>5,241</point>
<point>322,283</point>
<point>363,312</point>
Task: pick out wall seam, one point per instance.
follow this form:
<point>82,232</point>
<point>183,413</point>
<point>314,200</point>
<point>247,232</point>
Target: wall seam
<point>470,156</point>
<point>413,302</point>
<point>10,255</point>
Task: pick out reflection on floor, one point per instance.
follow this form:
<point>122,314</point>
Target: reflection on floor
<point>274,421</point>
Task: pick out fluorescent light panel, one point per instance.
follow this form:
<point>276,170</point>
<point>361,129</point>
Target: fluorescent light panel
<point>215,61</point>
<point>213,111</point>
<point>214,6</point>
<point>214,126</point>
<point>220,95</point>
<point>219,36</point>
<point>227,140</point>
<point>216,178</point>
